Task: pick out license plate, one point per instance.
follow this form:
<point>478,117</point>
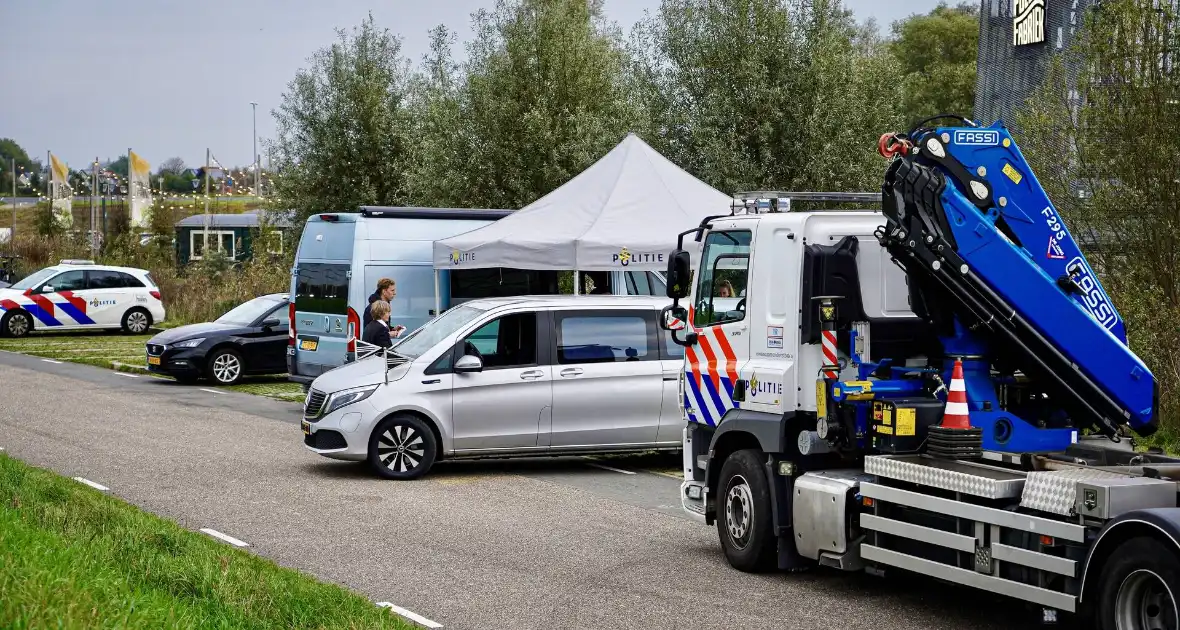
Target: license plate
<point>153,360</point>
<point>306,427</point>
<point>308,344</point>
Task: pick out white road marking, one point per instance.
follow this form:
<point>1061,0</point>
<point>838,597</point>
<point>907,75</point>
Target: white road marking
<point>51,361</point>
<point>96,486</point>
<point>618,470</point>
<point>127,375</point>
<point>211,391</point>
<point>229,539</point>
<point>412,616</point>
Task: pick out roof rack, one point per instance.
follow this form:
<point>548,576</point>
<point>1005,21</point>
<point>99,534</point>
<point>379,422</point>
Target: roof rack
<point>758,201</point>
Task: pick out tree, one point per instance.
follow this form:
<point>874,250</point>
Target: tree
<point>767,94</point>
<point>172,165</point>
<point>541,97</point>
<point>937,52</point>
<point>341,127</point>
<point>1103,135</point>
<point>118,167</point>
<point>9,149</point>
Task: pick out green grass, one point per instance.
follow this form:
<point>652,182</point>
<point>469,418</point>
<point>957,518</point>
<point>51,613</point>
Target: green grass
<point>71,557</point>
<point>125,353</point>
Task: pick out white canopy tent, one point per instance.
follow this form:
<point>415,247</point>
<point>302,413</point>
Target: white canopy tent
<point>623,212</point>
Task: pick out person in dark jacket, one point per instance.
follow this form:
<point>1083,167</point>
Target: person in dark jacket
<point>377,331</point>
<point>386,291</point>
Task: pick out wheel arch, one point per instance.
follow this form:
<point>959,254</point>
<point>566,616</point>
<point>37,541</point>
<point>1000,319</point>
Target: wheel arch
<point>422,415</point>
<point>1161,524</point>
<point>741,429</point>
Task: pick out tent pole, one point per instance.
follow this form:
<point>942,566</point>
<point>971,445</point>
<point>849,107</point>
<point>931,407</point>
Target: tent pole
<point>437,296</point>
<point>577,283</point>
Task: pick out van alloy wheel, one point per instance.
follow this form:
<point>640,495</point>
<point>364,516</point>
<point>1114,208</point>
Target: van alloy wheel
<point>401,448</point>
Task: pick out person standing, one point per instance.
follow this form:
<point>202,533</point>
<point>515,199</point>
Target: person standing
<point>386,291</point>
<point>377,331</point>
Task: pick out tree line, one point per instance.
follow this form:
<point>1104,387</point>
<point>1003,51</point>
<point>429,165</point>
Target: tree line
<point>744,94</point>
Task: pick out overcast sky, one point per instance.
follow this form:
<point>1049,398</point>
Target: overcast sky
<point>65,65</point>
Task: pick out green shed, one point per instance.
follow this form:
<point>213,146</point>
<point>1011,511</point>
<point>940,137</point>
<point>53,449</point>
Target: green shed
<point>234,234</point>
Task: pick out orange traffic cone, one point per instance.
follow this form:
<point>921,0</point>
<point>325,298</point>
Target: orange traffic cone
<point>956,415</point>
<point>955,438</point>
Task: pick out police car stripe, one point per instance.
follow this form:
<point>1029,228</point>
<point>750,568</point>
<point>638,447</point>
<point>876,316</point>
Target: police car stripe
<point>699,404</point>
<point>76,315</point>
<point>41,314</point>
<point>43,302</point>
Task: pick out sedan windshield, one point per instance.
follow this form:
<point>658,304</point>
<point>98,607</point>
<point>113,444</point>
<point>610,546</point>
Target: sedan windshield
<point>248,312</point>
<point>437,329</point>
<point>34,280</point>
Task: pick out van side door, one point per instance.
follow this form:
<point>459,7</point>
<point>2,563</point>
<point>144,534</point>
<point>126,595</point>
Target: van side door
<point>502,406</point>
<point>607,385</point>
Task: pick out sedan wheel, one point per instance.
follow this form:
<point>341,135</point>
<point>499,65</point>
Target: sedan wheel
<point>402,447</point>
<point>225,367</point>
<point>136,321</point>
<point>17,324</point>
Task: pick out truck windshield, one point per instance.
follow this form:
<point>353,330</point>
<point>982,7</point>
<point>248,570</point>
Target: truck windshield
<point>437,329</point>
<point>721,283</point>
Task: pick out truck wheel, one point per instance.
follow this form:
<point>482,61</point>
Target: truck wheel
<point>743,513</point>
<point>1139,587</point>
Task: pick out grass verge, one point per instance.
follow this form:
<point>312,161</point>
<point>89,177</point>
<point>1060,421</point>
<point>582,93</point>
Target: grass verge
<point>125,353</point>
<point>71,557</point>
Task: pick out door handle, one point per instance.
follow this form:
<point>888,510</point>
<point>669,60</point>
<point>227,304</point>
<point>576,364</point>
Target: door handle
<point>531,375</point>
<point>571,372</point>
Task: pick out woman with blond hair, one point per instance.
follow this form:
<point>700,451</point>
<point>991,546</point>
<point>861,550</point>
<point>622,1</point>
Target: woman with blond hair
<point>377,331</point>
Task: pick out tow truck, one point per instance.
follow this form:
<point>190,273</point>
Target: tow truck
<point>937,384</point>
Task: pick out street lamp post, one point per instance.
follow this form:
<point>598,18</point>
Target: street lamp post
<point>254,156</point>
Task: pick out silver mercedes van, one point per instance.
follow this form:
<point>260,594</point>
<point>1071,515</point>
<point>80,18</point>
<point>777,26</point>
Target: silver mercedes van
<point>507,376</point>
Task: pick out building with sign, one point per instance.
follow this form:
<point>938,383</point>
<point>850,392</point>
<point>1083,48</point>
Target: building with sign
<point>1017,41</point>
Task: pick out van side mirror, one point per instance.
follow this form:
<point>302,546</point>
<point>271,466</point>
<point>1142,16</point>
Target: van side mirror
<point>468,364</point>
<point>679,274</point>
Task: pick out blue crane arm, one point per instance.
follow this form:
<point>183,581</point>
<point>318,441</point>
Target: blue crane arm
<point>971,224</point>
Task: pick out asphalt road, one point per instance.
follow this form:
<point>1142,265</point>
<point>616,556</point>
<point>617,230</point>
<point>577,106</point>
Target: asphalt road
<point>527,544</point>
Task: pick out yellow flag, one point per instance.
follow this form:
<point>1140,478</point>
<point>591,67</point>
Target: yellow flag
<point>139,166</point>
<point>61,172</point>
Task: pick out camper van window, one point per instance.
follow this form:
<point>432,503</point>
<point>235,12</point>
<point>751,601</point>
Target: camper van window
<point>322,288</point>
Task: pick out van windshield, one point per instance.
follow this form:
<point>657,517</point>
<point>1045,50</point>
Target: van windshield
<point>437,329</point>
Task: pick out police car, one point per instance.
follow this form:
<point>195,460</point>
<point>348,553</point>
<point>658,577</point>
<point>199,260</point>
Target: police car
<point>78,295</point>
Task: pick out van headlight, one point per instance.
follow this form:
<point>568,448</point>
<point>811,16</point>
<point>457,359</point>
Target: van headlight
<point>347,397</point>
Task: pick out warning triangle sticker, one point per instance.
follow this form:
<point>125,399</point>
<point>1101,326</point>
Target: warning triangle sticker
<point>1055,252</point>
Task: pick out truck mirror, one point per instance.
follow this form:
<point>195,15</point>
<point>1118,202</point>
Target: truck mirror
<point>673,317</point>
<point>679,274</point>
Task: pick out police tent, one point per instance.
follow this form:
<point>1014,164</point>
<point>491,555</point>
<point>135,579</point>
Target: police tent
<point>622,213</point>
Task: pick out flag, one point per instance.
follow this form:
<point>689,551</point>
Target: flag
<point>139,178</point>
<point>63,195</point>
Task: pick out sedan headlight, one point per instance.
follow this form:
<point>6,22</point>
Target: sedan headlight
<point>189,343</point>
<point>347,397</point>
